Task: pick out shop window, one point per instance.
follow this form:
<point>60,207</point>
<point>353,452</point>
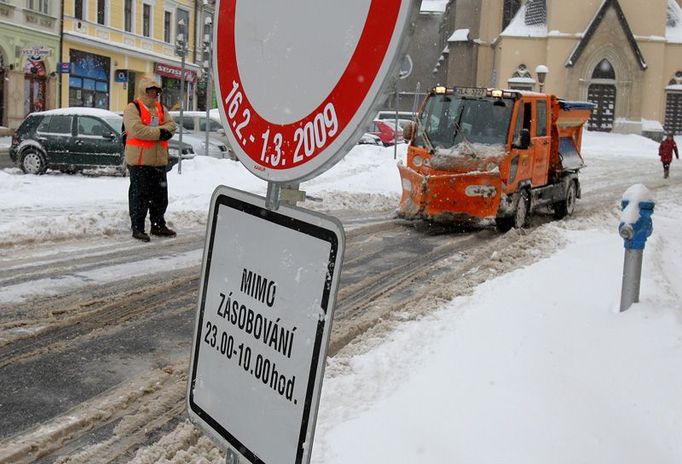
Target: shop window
<point>35,86</point>
<point>146,20</point>
<point>171,94</point>
<point>89,80</point>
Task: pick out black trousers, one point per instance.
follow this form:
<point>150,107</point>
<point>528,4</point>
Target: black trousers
<point>148,192</point>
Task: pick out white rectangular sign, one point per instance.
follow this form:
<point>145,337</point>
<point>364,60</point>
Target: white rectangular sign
<point>267,295</point>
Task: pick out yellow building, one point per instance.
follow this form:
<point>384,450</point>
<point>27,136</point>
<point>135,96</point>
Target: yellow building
<point>109,44</point>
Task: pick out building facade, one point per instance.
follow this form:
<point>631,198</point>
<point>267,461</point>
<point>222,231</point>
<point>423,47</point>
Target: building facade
<point>623,55</point>
<point>109,44</point>
<point>29,53</point>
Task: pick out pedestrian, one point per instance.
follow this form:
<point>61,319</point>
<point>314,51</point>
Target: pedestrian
<point>148,127</point>
<point>665,151</point>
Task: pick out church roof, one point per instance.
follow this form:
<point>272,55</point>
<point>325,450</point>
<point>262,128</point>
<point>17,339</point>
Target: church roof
<point>596,21</point>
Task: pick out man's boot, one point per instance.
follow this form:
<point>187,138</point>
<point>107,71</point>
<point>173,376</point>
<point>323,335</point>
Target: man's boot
<point>140,235</point>
<point>162,231</point>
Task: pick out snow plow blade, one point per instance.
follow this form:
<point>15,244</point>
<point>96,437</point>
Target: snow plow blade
<point>451,198</point>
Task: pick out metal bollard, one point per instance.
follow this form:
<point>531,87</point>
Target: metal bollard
<point>634,235</point>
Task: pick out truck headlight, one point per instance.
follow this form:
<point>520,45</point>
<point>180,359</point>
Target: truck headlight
<point>174,152</point>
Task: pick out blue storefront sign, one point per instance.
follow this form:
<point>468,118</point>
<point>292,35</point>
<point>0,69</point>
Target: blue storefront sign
<point>65,68</point>
<point>121,75</point>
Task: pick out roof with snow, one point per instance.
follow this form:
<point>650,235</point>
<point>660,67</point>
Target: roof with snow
<point>433,6</point>
<point>596,21</point>
<point>82,111</point>
<point>460,35</point>
<point>518,27</point>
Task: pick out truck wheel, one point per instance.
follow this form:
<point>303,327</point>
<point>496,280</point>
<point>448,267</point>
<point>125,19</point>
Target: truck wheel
<point>567,205</point>
<point>504,224</point>
<point>520,217</point>
<point>522,210</point>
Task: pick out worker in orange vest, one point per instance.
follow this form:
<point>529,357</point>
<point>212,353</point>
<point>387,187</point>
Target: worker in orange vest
<point>148,128</point>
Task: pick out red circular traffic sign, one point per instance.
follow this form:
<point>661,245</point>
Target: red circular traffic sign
<point>296,79</point>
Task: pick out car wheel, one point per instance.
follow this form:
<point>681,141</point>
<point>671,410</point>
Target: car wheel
<point>33,162</point>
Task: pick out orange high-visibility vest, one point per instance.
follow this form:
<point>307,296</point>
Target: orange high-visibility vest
<point>146,118</point>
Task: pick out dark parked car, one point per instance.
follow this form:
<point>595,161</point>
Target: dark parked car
<point>72,139</point>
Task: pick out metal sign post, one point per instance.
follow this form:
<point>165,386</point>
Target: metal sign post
<point>181,49</point>
<point>208,70</point>
<point>294,96</point>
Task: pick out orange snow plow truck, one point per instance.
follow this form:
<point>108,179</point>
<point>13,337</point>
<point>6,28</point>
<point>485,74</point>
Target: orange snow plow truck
<point>481,155</point>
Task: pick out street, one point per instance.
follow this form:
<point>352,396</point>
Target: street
<point>96,331</point>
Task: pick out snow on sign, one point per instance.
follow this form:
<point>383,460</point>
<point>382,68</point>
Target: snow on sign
<point>296,79</point>
<point>269,282</point>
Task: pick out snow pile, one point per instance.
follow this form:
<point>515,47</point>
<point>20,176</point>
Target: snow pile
<point>531,368</point>
<point>58,206</point>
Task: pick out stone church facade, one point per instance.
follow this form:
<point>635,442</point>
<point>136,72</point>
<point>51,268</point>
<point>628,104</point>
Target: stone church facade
<point>623,55</point>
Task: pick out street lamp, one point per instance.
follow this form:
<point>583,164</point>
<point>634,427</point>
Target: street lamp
<point>181,50</point>
<point>541,70</point>
<point>208,22</point>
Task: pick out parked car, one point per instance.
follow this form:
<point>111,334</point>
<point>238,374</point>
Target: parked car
<point>386,131</point>
<point>390,114</point>
<point>194,124</point>
<point>369,139</point>
<point>73,139</point>
<point>216,149</point>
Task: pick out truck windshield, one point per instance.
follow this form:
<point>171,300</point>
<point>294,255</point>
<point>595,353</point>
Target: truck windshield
<point>447,120</point>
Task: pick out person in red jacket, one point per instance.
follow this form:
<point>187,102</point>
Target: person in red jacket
<point>665,151</point>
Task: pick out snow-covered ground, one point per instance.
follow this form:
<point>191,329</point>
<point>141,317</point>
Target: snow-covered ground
<point>534,366</point>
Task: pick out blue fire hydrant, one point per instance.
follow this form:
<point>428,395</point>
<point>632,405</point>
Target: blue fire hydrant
<point>634,235</point>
